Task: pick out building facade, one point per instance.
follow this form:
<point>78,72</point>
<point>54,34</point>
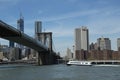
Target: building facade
<point>118,44</point>
<point>38,28</point>
<point>20,24</point>
<point>81,38</point>
<point>81,43</point>
<point>11,44</point>
<point>104,44</point>
<point>69,54</point>
<point>15,54</point>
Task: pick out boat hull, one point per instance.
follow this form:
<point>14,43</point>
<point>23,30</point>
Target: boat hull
<point>79,63</point>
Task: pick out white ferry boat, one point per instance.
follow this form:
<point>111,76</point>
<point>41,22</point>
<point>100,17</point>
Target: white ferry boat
<point>79,63</point>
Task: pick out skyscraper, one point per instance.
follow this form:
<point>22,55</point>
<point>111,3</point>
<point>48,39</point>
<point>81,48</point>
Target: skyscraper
<point>81,38</point>
<point>81,43</point>
<point>118,44</point>
<point>20,26</point>
<point>104,43</point>
<point>69,54</point>
<point>38,28</point>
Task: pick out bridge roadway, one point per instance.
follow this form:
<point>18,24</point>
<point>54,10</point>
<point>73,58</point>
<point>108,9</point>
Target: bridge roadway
<point>10,33</point>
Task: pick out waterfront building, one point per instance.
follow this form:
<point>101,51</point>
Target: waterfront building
<point>5,50</point>
<point>15,54</point>
<point>104,55</point>
<point>103,43</point>
<point>92,47</point>
<point>69,54</point>
<point>30,53</point>
<point>81,42</point>
<point>11,44</point>
<point>1,56</point>
<point>118,44</point>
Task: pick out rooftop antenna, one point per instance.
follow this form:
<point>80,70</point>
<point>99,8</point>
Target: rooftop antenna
<point>21,16</point>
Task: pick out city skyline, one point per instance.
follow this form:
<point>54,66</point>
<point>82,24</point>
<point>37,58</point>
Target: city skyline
<point>100,16</point>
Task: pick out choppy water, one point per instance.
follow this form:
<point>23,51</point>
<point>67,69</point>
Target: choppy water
<point>58,72</point>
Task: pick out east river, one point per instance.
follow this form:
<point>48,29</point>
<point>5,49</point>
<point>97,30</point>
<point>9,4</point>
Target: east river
<point>58,72</point>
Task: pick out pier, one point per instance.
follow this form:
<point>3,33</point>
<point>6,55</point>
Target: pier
<point>98,62</point>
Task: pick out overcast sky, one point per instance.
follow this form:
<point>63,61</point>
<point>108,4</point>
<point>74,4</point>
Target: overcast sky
<point>101,17</point>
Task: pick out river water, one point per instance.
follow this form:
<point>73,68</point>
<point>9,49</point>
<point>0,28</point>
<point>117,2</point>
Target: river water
<point>58,72</point>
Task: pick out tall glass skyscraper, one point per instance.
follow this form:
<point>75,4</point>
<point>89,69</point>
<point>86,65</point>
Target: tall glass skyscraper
<point>20,26</point>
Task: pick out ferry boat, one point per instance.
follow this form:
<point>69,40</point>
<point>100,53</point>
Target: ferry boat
<point>79,63</point>
<point>95,63</point>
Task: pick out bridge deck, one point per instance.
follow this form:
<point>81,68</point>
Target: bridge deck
<point>10,33</point>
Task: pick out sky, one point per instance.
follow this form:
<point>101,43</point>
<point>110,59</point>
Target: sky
<point>101,17</point>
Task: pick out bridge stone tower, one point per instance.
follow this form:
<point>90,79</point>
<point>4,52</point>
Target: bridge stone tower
<point>46,39</point>
<point>43,37</point>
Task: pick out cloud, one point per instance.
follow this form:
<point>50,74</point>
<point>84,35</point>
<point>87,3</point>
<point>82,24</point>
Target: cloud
<point>103,21</point>
<point>62,33</point>
<point>83,13</point>
<point>71,15</point>
<point>107,25</point>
